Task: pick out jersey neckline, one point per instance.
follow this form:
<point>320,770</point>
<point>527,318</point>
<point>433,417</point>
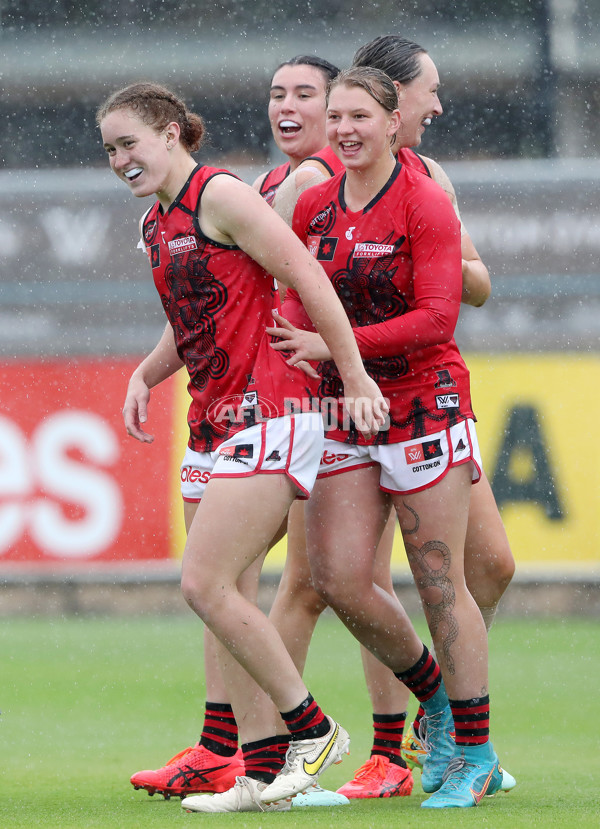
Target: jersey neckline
<point>394,175</point>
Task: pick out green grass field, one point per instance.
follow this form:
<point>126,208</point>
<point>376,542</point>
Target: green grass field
<point>85,703</point>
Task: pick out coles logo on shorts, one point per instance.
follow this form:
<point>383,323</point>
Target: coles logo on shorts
<point>419,452</point>
<point>182,245</point>
<point>331,457</point>
<point>372,249</point>
<point>192,475</point>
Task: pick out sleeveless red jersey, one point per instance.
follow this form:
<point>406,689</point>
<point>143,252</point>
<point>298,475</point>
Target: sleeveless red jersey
<point>272,180</point>
<point>275,177</point>
<point>412,159</point>
<point>328,159</point>
<point>396,266</point>
<point>219,302</point>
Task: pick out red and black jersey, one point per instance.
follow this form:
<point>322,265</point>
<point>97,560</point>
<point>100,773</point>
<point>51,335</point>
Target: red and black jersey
<point>272,180</point>
<point>294,312</point>
<point>412,159</point>
<point>275,177</point>
<point>219,302</point>
<point>396,266</point>
<point>328,159</point>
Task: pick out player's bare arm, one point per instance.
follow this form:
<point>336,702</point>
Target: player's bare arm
<point>162,362</point>
<point>477,286</point>
<point>289,191</point>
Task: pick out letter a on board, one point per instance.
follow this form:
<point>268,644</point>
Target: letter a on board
<point>524,441</point>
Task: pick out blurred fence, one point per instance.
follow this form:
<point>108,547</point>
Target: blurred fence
<point>73,282</point>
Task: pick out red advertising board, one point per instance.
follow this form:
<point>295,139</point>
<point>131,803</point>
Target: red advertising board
<point>75,489</point>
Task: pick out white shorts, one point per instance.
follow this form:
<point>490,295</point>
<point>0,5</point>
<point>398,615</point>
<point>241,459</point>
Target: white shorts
<point>291,445</point>
<point>412,465</point>
<point>196,470</point>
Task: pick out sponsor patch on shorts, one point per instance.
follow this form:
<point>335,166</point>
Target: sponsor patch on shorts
<point>426,451</point>
<point>237,453</point>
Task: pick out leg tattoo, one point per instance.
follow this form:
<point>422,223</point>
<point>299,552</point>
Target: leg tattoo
<point>430,565</point>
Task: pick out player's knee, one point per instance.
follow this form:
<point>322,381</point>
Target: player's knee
<point>188,591</point>
<point>325,589</point>
<point>313,603</point>
<point>343,597</point>
<point>298,590</point>
<point>306,596</point>
<point>488,581</point>
<point>505,570</point>
<point>196,593</point>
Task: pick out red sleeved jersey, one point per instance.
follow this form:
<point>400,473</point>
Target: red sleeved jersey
<point>219,302</point>
<point>396,266</point>
<point>293,310</point>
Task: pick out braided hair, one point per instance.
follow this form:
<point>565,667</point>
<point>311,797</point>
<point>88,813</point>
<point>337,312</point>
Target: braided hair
<point>157,107</point>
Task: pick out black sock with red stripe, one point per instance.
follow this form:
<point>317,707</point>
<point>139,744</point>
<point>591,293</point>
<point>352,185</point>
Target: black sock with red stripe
<point>283,743</point>
<point>387,739</point>
<point>424,679</point>
<point>417,720</point>
<point>306,721</point>
<point>220,731</point>
<point>471,720</point>
<point>264,759</point>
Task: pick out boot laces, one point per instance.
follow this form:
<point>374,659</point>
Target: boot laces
<point>373,769</point>
<point>458,769</point>
<point>242,783</point>
<point>429,728</point>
